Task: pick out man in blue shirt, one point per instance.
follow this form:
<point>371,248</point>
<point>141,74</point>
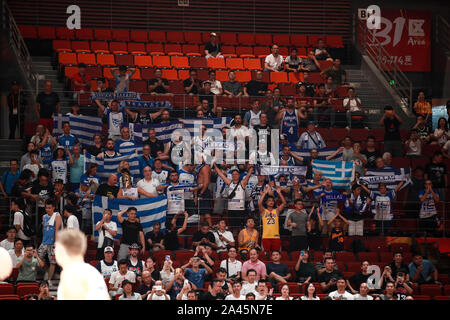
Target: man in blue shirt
<point>9,177</point>
<point>428,215</point>
<point>126,144</point>
<point>329,202</point>
<point>145,160</point>
<point>195,274</point>
<point>67,140</point>
<point>422,271</point>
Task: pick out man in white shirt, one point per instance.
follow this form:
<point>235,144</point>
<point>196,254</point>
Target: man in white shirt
<point>8,243</point>
<point>341,293</point>
<point>107,230</point>
<point>216,86</point>
<point>224,238</point>
<point>236,295</point>
<point>241,133</point>
<point>363,293</point>
<point>72,221</point>
<point>232,265</point>
<point>148,184</point>
<point>251,283</point>
<point>353,106</point>
<point>17,253</point>
<point>117,277</point>
<point>274,61</point>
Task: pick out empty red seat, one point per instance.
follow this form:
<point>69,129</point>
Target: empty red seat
<point>228,51</point>
<point>234,63</point>
<point>125,60</point>
<point>9,297</point>
<point>84,34</point>
<point>299,40</point>
<point>24,289</point>
<point>170,74</point>
<point>139,35</point>
<point>246,38</point>
<point>6,288</point>
<point>243,76</point>
<point>94,71</point>
<point>143,61</point>
<point>345,256</point>
<point>80,46</point>
<point>315,77</point>
<point>70,71</point>
<point>46,32</point>
<point>87,58</point>
<point>264,39</point>
<point>102,34</point>
<point>334,41</point>
<point>295,77</point>
<point>161,61</point>
<point>198,62</point>
<point>244,52</point>
<point>156,36</point>
<point>155,48</point>
<point>441,298</point>
<point>430,290</point>
<point>138,86</point>
<point>176,87</point>
<point>173,49</point>
<point>175,36</point>
<point>400,247</point>
<point>252,64</point>
<point>106,59</point>
<point>28,32</point>
<point>100,46</point>
<point>281,39</point>
<point>284,51</point>
<point>191,49</point>
<point>147,73</point>
<point>216,63</point>
<point>184,74</point>
<point>279,77</point>
<point>372,257</point>
<point>64,33</point>
<point>421,297</point>
<point>228,38</point>
<point>118,47</point>
<point>136,47</point>
<point>222,75</point>
<point>179,62</point>
<point>401,162</point>
<point>312,40</point>
<point>67,58</point>
<point>325,64</point>
<point>120,35</point>
<point>354,267</point>
<point>224,102</point>
<point>261,51</point>
<point>62,45</point>
<point>193,37</point>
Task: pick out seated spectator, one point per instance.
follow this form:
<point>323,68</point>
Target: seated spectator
<point>336,72</point>
<point>337,228</point>
<point>249,285</point>
<point>191,85</point>
<point>203,237</point>
<point>44,291</point>
<point>371,152</point>
<point>231,265</point>
<point>248,238</point>
<point>155,238</point>
<point>236,293</point>
<point>413,146</point>
<point>167,272</point>
<point>223,238</point>
<point>328,277</point>
<point>179,287</point>
<point>341,293</point>
<point>304,270</point>
<point>158,85</point>
<point>225,285</point>
<point>232,88</point>
<point>213,48</point>
<point>214,292</point>
<point>441,134</point>
<point>107,265</point>
<point>102,102</point>
<point>403,288</point>
<point>422,271</point>
<point>277,272</point>
<point>354,108</point>
<point>322,106</point>
<point>117,277</point>
<point>251,117</point>
<point>363,293</point>
<point>428,215</point>
<point>321,52</point>
<point>254,263</point>
<point>274,61</point>
<point>272,105</point>
<point>310,293</point>
<point>256,87</point>
<point>128,293</point>
<point>422,129</point>
<point>158,292</point>
<point>262,291</point>
<point>385,277</point>
<point>397,265</point>
<point>310,64</point>
<point>284,293</point>
<point>9,177</point>
<point>311,139</point>
<point>149,266</point>
<point>81,82</point>
<point>145,289</point>
<point>206,94</point>
<point>27,266</point>
<point>216,85</point>
<point>330,88</point>
<point>315,228</point>
<point>436,171</point>
<point>134,263</point>
<point>357,279</point>
<point>389,294</point>
<point>122,76</point>
<point>303,100</point>
<point>108,189</point>
<point>423,108</point>
<point>194,273</point>
<point>292,62</point>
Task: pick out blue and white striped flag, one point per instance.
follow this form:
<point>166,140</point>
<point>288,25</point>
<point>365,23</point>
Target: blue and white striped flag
<point>341,173</point>
<point>82,127</point>
<point>216,123</point>
<point>149,211</point>
<point>163,130</point>
<point>391,177</point>
<point>323,153</point>
<point>109,165</point>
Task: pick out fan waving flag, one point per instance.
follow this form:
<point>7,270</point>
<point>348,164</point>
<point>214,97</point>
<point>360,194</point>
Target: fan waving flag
<point>341,173</point>
<point>149,211</point>
<point>212,123</point>
<point>163,130</point>
<point>82,127</point>
<point>108,166</point>
<point>323,153</point>
<point>391,177</point>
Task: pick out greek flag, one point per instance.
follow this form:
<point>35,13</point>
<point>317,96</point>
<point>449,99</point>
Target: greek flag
<point>108,166</point>
<point>391,177</point>
<point>341,173</point>
<point>216,123</point>
<point>163,130</point>
<point>323,153</point>
<point>149,211</point>
<point>83,127</point>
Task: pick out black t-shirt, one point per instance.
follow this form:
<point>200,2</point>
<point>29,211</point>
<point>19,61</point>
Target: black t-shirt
<point>106,190</point>
<point>188,82</point>
<point>371,157</point>
<point>263,133</point>
<point>154,147</point>
<point>171,240</point>
<point>209,296</point>
<point>212,49</point>
<point>254,86</point>
<point>357,279</point>
<point>143,288</point>
<point>403,268</point>
<point>436,173</point>
<point>336,241</point>
<point>156,238</point>
<point>158,89</point>
<point>130,232</point>
<point>280,269</point>
<point>326,277</point>
<point>94,150</point>
<point>18,188</point>
<point>391,129</point>
<point>199,235</point>
<point>47,104</point>
<point>209,97</point>
<point>44,192</point>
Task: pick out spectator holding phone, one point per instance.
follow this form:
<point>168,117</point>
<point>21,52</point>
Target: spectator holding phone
<point>392,138</point>
<point>27,266</point>
<point>304,270</point>
<point>194,273</point>
<point>158,292</point>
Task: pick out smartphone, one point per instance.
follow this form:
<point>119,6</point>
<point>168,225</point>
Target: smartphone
<point>302,253</point>
<point>157,288</point>
<point>167,257</point>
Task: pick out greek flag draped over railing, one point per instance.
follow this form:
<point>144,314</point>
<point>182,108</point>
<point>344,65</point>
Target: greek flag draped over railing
<point>323,153</point>
<point>149,211</point>
<point>108,166</point>
<point>391,177</point>
<point>211,123</point>
<point>114,95</point>
<point>163,130</point>
<point>281,170</point>
<point>151,105</point>
<point>83,127</point>
<point>341,173</point>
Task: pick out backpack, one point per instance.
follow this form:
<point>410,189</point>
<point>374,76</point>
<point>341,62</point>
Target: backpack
<point>28,228</point>
<point>358,246</point>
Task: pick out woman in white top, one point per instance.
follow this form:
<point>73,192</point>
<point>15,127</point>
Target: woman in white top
<point>310,293</point>
<point>413,146</point>
<point>167,272</point>
<point>284,293</point>
<point>441,133</point>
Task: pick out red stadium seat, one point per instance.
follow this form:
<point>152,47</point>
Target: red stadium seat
<point>245,52</point>
<point>138,86</point>
<point>284,51</point>
<point>180,62</point>
<point>9,297</point>
<point>354,267</point>
<point>228,38</point>
<point>441,298</point>
<point>173,49</point>
<point>281,39</point>
<point>295,77</point>
<point>312,40</point>
<point>401,162</point>
<point>81,46</point>
<point>235,63</point>
<point>120,35</point>
<point>287,90</point>
<point>224,102</point>
<point>315,77</point>
<point>118,47</point>
<point>84,34</point>
<point>359,134</point>
<point>279,77</point>
<point>400,247</point>
<point>155,48</point>
<point>299,40</point>
<point>64,33</point>
<point>170,74</point>
<point>243,76</point>
<point>136,48</point>
<point>334,41</point>
<point>28,32</point>
<point>6,288</point>
<point>24,289</point>
<point>67,58</point>
<point>87,58</point>
<point>198,62</point>
<point>157,36</point>
<point>222,75</point>
<point>261,51</point>
<point>229,51</point>
<point>62,45</point>
<point>136,75</point>
<point>216,63</point>
<point>372,257</point>
<point>338,134</point>
<point>183,255</point>
<point>175,37</point>
<point>176,87</point>
<point>147,73</point>
<point>106,59</point>
<point>99,46</point>
<point>69,71</point>
<point>46,32</point>
<point>246,39</point>
<point>191,49</point>
<point>430,290</point>
<point>252,64</point>
<point>161,61</point>
<point>421,297</point>
<point>139,35</point>
<point>345,257</point>
<point>143,61</point>
<point>102,34</point>
<point>325,64</point>
<point>264,39</point>
<point>125,60</point>
<point>193,37</point>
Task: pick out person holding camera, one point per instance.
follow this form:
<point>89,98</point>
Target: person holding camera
<point>392,138</point>
<point>158,292</point>
<point>403,288</point>
<point>224,238</point>
<point>107,230</point>
<point>194,273</point>
<point>232,266</point>
<point>386,277</point>
<point>203,237</point>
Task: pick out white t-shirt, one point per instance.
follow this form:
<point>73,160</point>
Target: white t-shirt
<point>260,297</point>
<point>281,298</point>
<point>16,259</point>
<point>135,296</point>
<point>175,200</point>
<point>110,225</point>
<point>7,245</point>
<point>233,267</point>
<point>116,278</point>
<point>238,202</point>
<point>231,297</point>
<point>353,105</point>
<point>156,297</point>
<point>215,86</point>
<point>72,223</point>
<point>306,298</point>
<point>227,235</point>
<point>18,220</point>
<point>345,296</point>
<point>97,289</point>
<point>273,62</point>
<point>360,297</point>
<point>148,186</point>
<point>442,140</point>
<point>130,192</point>
<point>414,148</point>
<point>249,287</point>
<point>33,168</point>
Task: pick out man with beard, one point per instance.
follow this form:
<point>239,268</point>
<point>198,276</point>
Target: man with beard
<point>109,150</point>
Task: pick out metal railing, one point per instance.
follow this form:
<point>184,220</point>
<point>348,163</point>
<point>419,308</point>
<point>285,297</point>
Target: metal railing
<point>385,64</point>
<point>443,34</point>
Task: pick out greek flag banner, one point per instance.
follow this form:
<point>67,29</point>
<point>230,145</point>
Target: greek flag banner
<point>83,127</point>
<point>152,105</point>
<point>163,130</point>
<point>107,166</point>
<point>391,177</point>
<point>114,95</point>
<point>323,153</point>
<point>341,173</point>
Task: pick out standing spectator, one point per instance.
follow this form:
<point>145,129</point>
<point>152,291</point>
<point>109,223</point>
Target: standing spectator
<point>252,117</point>
<point>128,293</point>
<point>354,108</point>
<point>298,221</point>
<point>422,129</point>
<point>290,118</point>
<point>27,266</point>
<point>8,242</point>
<point>428,215</point>
<point>232,266</point>
<point>256,87</point>
<point>191,85</point>
<point>16,105</point>
<point>134,263</point>
<point>254,263</point>
<point>413,146</point>
<point>336,232</point>
<point>86,197</point>
<point>26,158</point>
<point>216,85</point>
<point>59,167</point>
<point>341,293</point>
<point>145,160</point>
<point>436,171</point>
<point>107,265</point>
<point>109,188</point>
<point>423,108</point>
<point>114,117</point>
<point>47,103</point>
<point>371,152</point>
<point>194,273</point>
<point>131,232</point>
<point>76,168</point>
<point>274,61</point>
<point>356,206</point>
<point>97,147</point>
<point>126,144</point>
<point>311,139</point>
<point>22,220</point>
<point>150,266</point>
<point>42,190</point>
<point>329,202</point>
<point>277,272</point>
<point>81,82</point>
<point>72,220</point>
<point>310,293</point>
<point>392,139</point>
<point>336,72</point>
<point>321,52</point>
<point>304,270</point>
<point>122,76</point>
<point>422,271</point>
<point>170,240</point>
<point>329,276</point>
<point>213,48</point>
<point>142,115</point>
<point>118,278</point>
<point>315,229</point>
<point>167,272</point>
<point>232,88</point>
<point>363,293</point>
<point>322,106</point>
<point>9,177</point>
<point>158,85</point>
<point>148,185</point>
<point>155,144</point>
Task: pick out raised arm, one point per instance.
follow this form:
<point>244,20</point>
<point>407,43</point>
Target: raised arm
<point>334,154</point>
<point>247,177</point>
<point>280,208</point>
<point>220,173</point>
<point>181,230</point>
<point>119,216</point>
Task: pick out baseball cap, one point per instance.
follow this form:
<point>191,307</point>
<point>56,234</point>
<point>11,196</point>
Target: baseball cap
<point>108,249</point>
<point>311,122</point>
<point>134,246</point>
<point>213,34</point>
